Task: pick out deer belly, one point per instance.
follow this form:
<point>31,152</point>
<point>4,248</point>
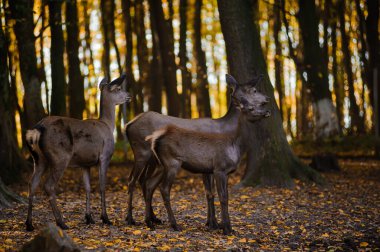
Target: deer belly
<point>85,158</point>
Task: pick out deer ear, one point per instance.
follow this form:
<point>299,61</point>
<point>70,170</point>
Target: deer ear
<point>231,82</point>
<point>119,80</point>
<point>255,80</point>
<point>103,83</point>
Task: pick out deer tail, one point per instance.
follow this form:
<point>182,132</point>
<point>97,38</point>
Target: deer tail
<point>32,139</point>
<point>154,139</point>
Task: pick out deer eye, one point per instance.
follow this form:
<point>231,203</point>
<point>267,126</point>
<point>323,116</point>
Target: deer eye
<point>254,90</point>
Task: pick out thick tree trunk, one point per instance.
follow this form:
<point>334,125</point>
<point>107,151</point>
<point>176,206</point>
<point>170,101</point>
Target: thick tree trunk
<point>76,87</point>
<point>270,158</point>
<point>185,73</point>
<point>326,123</point>
<point>12,163</point>
<point>203,96</point>
<point>357,123</point>
<point>372,26</point>
<point>167,57</point>
<point>22,12</point>
<point>279,84</point>
<point>58,91</point>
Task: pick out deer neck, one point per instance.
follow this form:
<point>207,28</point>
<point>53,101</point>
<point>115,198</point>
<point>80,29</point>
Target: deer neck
<point>240,134</point>
<point>107,113</point>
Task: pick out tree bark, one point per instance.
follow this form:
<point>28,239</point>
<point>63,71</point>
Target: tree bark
<point>22,12</point>
<point>183,59</point>
<point>76,86</point>
<point>167,57</point>
<point>12,162</point>
<point>372,27</point>
<point>106,60</point>
<point>326,123</point>
<point>58,92</point>
<point>156,78</point>
<point>357,123</point>
<point>279,76</point>
<point>270,158</point>
<point>203,96</point>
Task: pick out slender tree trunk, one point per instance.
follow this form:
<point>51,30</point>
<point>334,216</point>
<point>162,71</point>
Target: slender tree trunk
<point>156,78</point>
<point>372,28</point>
<point>106,60</point>
<point>278,58</point>
<point>142,52</point>
<point>270,158</point>
<point>338,90</point>
<point>41,67</point>
<point>167,56</point>
<point>203,96</point>
<point>22,13</point>
<point>76,87</point>
<point>357,123</point>
<point>326,123</point>
<point>58,92</point>
<point>183,59</point>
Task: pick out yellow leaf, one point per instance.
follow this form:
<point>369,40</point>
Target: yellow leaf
<point>251,241</point>
<point>363,244</point>
<point>165,247</point>
<point>326,235</point>
<point>136,249</point>
<point>60,232</point>
<point>76,239</point>
<point>3,221</point>
<point>8,241</point>
<point>137,232</point>
<point>243,240</point>
<point>244,197</point>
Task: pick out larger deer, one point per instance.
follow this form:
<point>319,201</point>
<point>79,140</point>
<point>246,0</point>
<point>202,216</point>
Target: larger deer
<point>57,142</point>
<point>146,123</point>
<point>207,153</point>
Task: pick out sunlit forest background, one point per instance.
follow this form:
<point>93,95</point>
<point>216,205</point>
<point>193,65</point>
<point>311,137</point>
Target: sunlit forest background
<point>79,42</point>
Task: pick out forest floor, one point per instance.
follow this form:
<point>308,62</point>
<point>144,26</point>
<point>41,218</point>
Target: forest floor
<point>343,215</point>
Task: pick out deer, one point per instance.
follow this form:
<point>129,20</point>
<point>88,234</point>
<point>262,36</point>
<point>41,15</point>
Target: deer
<point>144,162</point>
<point>206,153</point>
<point>57,142</point>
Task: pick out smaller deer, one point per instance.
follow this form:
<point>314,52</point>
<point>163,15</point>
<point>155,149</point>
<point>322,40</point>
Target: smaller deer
<point>207,153</point>
<point>57,142</point>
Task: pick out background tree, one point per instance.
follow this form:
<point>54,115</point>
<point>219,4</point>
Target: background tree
<point>58,79</point>
<point>270,158</point>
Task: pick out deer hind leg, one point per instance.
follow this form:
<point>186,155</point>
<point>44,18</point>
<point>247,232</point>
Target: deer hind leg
<point>150,184</point>
<point>39,168</point>
<point>150,171</point>
<point>208,181</point>
<point>87,187</point>
<point>51,182</point>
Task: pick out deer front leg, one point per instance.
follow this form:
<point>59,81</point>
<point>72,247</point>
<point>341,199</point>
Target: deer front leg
<point>221,185</point>
<point>208,182</point>
<point>33,184</point>
<point>104,163</point>
<point>87,187</point>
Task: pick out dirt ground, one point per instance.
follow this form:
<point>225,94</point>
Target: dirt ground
<point>344,215</point>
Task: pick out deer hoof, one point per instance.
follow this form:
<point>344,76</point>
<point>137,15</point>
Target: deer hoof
<point>177,228</point>
<point>89,219</point>
<point>130,221</point>
<point>150,225</point>
<point>156,220</point>
<point>29,226</point>
<point>62,225</point>
<point>213,225</point>
<point>106,220</point>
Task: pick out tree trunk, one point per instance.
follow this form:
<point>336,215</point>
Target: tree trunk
<point>326,123</point>
<point>142,52</point>
<point>338,90</point>
<point>12,162</point>
<point>185,73</point>
<point>106,60</point>
<point>357,123</point>
<point>58,91</point>
<point>270,158</point>
<point>22,12</point>
<point>167,57</point>
<point>372,26</point>
<point>203,96</point>
<point>76,87</point>
<point>156,78</point>
<point>278,58</point>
